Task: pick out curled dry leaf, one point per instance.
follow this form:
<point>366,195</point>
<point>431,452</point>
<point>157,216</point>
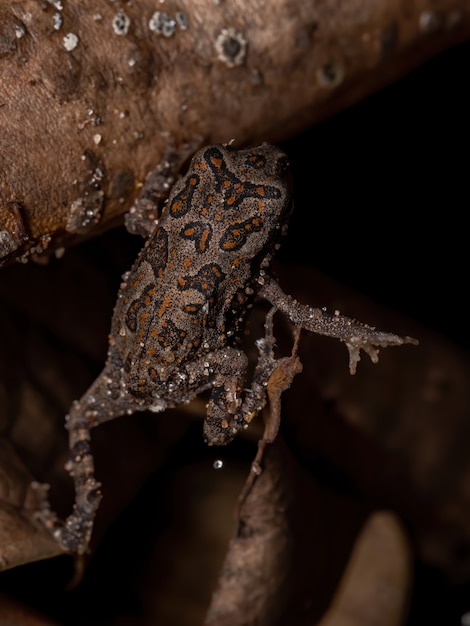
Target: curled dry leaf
<point>376,584</point>
<point>93,95</point>
<point>252,581</point>
<point>22,537</point>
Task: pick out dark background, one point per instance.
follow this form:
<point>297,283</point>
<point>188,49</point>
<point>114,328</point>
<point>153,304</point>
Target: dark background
<point>382,195</point>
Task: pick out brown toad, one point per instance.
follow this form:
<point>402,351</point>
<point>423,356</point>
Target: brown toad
<point>181,307</point>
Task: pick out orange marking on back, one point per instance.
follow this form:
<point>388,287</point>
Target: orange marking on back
<point>136,283</point>
<point>216,162</point>
<point>165,303</point>
<point>203,242</point>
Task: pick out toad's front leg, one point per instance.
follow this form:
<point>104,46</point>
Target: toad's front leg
<point>355,335</point>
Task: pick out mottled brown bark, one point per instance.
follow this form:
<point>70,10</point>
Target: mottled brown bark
<point>93,95</point>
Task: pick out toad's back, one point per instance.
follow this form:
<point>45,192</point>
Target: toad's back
<point>188,284</point>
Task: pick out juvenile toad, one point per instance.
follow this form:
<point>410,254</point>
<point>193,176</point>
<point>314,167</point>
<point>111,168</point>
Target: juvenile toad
<point>181,308</point>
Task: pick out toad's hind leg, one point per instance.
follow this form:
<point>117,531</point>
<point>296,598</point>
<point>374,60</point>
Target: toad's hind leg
<point>95,407</point>
<point>74,533</point>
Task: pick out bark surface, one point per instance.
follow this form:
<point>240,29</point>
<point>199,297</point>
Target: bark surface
<point>93,95</point>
